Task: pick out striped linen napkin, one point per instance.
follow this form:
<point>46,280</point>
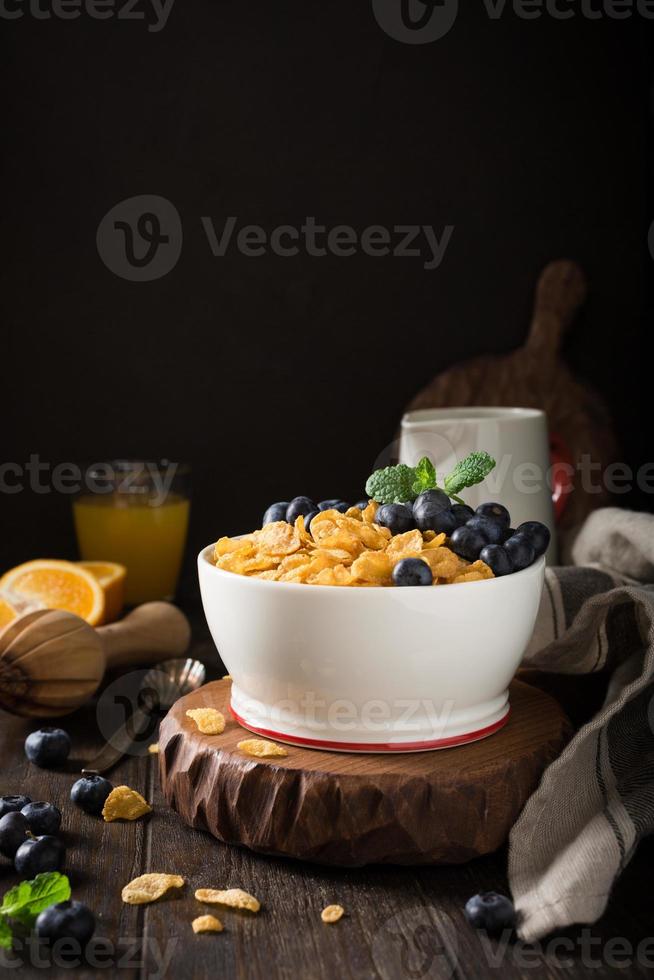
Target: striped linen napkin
<point>596,801</point>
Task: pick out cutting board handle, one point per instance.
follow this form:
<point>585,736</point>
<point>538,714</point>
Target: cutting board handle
<point>560,291</point>
<point>151,632</point>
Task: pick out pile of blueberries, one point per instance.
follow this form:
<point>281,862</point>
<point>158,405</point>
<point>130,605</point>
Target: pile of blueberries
<point>290,510</point>
<point>485,533</point>
<point>28,834</point>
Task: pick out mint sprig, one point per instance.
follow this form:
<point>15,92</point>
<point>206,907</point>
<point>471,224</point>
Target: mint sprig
<point>425,476</point>
<point>24,901</point>
<point>401,484</point>
<point>468,472</point>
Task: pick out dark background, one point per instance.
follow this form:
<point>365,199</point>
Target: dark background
<point>274,376</point>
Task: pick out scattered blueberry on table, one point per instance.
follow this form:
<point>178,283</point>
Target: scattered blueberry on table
<point>42,817</point>
<point>14,829</point>
<point>66,920</point>
<point>90,793</point>
<point>11,804</point>
<point>48,747</point>
<point>491,912</point>
<point>37,855</point>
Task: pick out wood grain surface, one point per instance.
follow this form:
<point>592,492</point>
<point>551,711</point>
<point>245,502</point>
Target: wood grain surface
<point>353,809</point>
<point>401,923</point>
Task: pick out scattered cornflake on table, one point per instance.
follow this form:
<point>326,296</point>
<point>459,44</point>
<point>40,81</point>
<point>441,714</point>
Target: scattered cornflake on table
<point>154,748</point>
<point>209,720</point>
<point>124,803</point>
<point>227,677</point>
<point>150,887</point>
<point>332,913</point>
<point>260,748</point>
<point>207,923</point>
<point>236,898</point>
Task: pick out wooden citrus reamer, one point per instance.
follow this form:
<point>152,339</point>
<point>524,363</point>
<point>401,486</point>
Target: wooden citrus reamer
<point>52,662</point>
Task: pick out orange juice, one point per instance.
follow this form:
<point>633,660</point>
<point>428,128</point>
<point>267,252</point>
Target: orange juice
<point>148,539</point>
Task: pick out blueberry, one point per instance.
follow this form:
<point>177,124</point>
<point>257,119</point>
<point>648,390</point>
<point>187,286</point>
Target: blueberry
<point>490,911</point>
<point>66,920</point>
<point>444,522</point>
<point>508,532</point>
<point>361,504</point>
<point>432,512</point>
<point>466,542</point>
<point>329,504</point>
<point>43,818</point>
<point>538,534</point>
<point>412,571</point>
<point>11,804</point>
<point>14,829</point>
<point>90,793</point>
<point>520,551</point>
<point>496,512</point>
<point>497,559</point>
<point>341,506</point>
<point>48,747</point>
<point>463,513</point>
<point>297,506</point>
<point>308,518</point>
<point>491,530</point>
<point>39,855</point>
<point>276,512</point>
<point>396,517</point>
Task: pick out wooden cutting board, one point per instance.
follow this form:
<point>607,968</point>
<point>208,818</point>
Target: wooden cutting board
<point>442,807</point>
<point>535,376</point>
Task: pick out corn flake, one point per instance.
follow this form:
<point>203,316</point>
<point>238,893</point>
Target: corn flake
<point>207,923</point>
<point>154,748</point>
<point>260,748</point>
<point>332,913</point>
<point>209,721</point>
<point>372,566</point>
<point>235,898</point>
<point>124,803</point>
<point>407,545</point>
<point>340,550</point>
<point>150,887</point>
<point>278,538</point>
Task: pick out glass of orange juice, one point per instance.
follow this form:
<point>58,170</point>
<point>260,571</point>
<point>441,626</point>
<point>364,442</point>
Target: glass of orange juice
<point>136,513</point>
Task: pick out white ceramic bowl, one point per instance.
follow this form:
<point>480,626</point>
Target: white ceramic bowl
<point>372,669</point>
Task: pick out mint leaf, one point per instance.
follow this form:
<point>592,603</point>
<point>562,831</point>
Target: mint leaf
<point>24,901</point>
<point>425,476</point>
<point>391,485</point>
<point>468,472</point>
<point>6,935</point>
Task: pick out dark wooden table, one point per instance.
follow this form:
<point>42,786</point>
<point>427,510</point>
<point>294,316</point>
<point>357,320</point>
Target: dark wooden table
<point>401,923</point>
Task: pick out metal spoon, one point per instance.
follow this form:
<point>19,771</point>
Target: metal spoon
<point>163,684</point>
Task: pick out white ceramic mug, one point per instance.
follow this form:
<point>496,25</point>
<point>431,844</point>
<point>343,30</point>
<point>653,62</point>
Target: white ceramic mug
<point>516,438</point>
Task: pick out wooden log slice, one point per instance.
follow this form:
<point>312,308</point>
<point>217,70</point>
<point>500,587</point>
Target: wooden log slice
<point>442,807</point>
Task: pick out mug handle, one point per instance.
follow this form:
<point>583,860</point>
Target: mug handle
<point>560,458</point>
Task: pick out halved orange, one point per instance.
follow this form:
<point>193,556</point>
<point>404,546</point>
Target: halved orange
<point>7,612</point>
<point>54,584</point>
<point>111,577</point>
